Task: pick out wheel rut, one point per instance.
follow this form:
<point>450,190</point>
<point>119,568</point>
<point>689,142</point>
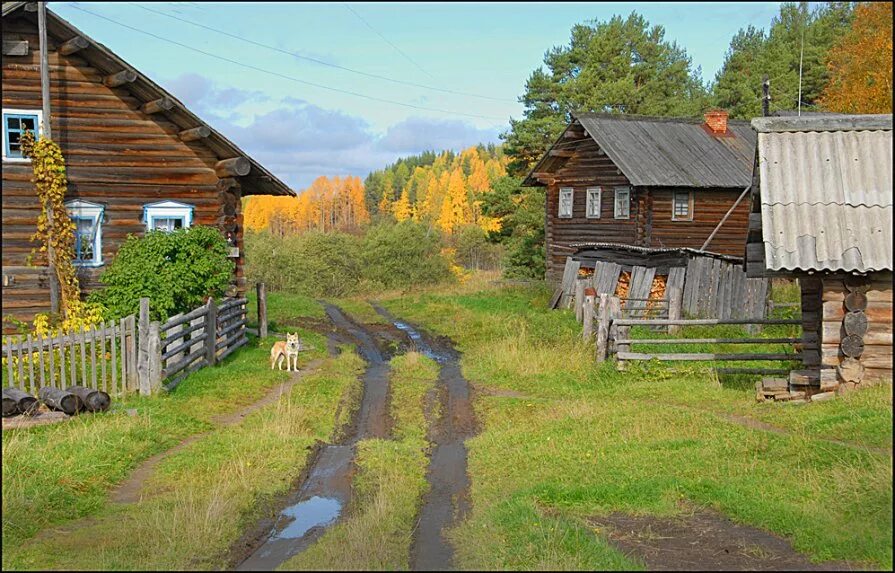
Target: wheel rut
<point>447,501</point>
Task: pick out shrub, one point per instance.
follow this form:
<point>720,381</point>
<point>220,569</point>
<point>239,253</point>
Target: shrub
<point>177,271</point>
<point>405,254</point>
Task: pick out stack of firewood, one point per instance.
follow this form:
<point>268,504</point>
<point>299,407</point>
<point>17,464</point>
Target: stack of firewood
<point>73,400</point>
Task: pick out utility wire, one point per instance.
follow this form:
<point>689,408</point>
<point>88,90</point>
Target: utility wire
<point>284,76</point>
<point>384,39</point>
<point>322,62</point>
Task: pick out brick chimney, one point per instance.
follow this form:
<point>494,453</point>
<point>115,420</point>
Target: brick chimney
<point>716,121</point>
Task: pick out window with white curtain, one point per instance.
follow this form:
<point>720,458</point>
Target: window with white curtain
<point>88,220</point>
<point>593,202</point>
<point>622,202</point>
<point>566,196</point>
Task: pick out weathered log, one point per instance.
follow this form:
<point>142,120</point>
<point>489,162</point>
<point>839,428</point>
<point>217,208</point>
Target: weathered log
<point>158,105</point>
<point>233,167</point>
<point>10,408</point>
<point>195,133</point>
<point>856,283</point>
<point>74,45</point>
<point>60,400</point>
<point>120,78</point>
<point>93,400</point>
<point>851,370</point>
<point>855,322</point>
<point>855,300</point>
<point>852,346</point>
<point>25,402</point>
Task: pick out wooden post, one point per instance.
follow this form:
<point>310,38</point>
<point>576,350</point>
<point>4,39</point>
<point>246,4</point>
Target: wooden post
<point>154,350</point>
<point>675,296</point>
<point>617,332</point>
<point>211,321</point>
<point>588,313</point>
<point>603,327</point>
<point>197,333</point>
<point>143,347</point>
<point>579,299</point>
<point>133,376</point>
<point>262,310</point>
<point>48,133</point>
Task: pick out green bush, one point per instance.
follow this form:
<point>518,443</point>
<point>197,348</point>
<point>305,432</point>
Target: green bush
<point>177,271</point>
<point>406,254</point>
<point>390,255</point>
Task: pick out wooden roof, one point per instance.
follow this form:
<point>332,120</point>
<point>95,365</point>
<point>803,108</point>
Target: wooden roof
<point>259,181</point>
<point>660,151</point>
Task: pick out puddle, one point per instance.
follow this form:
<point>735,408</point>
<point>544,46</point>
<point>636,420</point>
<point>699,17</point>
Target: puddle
<point>447,501</point>
<point>319,502</point>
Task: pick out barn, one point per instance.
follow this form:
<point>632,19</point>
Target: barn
<point>822,214</point>
<point>136,157</point>
<point>646,195</point>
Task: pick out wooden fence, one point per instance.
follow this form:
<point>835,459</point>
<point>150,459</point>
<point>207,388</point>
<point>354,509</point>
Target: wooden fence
<point>103,357</point>
<point>134,354</point>
<point>605,319</point>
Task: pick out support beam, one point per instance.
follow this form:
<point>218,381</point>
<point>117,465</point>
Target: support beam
<point>159,105</point>
<point>560,153</point>
<point>724,219</point>
<point>47,132</point>
<point>74,45</point>
<point>195,133</point>
<point>120,78</point>
<point>233,167</point>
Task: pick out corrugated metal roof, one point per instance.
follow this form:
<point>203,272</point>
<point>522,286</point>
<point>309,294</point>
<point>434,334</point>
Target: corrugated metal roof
<point>674,152</point>
<point>826,193</point>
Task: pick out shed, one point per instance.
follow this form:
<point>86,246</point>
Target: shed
<point>822,213</point>
<point>136,158</point>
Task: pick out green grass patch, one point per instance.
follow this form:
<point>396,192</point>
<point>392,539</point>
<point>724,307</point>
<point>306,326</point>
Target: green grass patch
<point>576,439</point>
<point>359,310</point>
<point>284,309</point>
<point>202,498</point>
<point>391,480</point>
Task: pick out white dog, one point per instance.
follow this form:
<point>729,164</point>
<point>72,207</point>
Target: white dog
<point>288,350</point>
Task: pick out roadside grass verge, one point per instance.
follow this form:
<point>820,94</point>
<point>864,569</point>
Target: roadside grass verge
<point>359,310</point>
<point>388,487</point>
<point>282,309</point>
<point>62,472</point>
<point>202,498</point>
<point>576,439</point>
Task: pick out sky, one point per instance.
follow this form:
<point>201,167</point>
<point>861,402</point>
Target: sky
<point>425,75</point>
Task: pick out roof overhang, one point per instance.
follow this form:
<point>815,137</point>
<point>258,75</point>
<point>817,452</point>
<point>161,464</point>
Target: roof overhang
<point>258,181</point>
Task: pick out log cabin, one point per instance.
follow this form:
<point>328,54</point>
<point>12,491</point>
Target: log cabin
<point>136,158</point>
<point>618,181</point>
<point>822,213</point>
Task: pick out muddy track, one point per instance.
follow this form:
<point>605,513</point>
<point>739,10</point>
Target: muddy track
<point>324,490</point>
<point>447,501</point>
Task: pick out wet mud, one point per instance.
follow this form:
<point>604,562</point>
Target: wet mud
<point>325,491</point>
<point>447,501</point>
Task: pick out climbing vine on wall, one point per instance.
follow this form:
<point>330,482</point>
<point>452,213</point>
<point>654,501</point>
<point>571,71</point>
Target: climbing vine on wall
<point>50,183</point>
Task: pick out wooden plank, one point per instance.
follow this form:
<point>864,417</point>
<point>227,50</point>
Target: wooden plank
<point>705,356</point>
<point>609,279</point>
<point>114,339</point>
<point>93,357</point>
<point>641,281</point>
<point>72,358</point>
<point>155,357</point>
<point>712,341</point>
<point>702,321</point>
<point>62,361</point>
<point>83,342</point>
<point>15,47</point>
<point>674,295</point>
<point>102,355</point>
<point>262,309</point>
<point>52,360</point>
<point>21,365</point>
<point>9,369</point>
<point>40,355</point>
<point>122,335</point>
<point>579,299</point>
<point>31,380</point>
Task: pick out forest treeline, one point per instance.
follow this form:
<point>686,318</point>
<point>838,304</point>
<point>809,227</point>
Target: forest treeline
<point>832,56</point>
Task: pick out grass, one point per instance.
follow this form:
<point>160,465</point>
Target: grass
<point>283,310</point>
<point>377,532</point>
<point>53,475</point>
<point>359,310</point>
<point>576,439</point>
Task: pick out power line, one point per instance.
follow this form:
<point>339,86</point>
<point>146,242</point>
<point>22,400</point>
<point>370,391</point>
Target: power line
<point>321,62</point>
<point>384,39</point>
<point>284,76</point>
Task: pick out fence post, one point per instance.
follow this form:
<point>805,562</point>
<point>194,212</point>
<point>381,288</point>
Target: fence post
<point>603,327</point>
<point>211,329</point>
<point>579,299</point>
<point>154,351</point>
<point>674,307</point>
<point>143,348</point>
<point>588,313</point>
<point>262,310</point>
<point>616,332</point>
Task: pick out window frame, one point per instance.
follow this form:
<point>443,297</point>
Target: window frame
<point>599,193</point>
<point>36,113</point>
<point>674,215</point>
<point>167,210</point>
<point>571,193</point>
<point>87,211</point>
<point>627,190</point>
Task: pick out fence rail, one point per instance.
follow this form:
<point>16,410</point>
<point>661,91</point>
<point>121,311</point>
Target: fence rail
<point>132,354</point>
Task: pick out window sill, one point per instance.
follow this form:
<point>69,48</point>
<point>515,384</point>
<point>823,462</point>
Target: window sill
<point>682,220</point>
<point>16,159</point>
<point>88,265</point>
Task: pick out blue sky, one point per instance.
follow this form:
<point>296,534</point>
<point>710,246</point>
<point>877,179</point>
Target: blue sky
<point>300,131</point>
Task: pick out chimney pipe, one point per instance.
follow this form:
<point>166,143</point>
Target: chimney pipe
<point>716,121</point>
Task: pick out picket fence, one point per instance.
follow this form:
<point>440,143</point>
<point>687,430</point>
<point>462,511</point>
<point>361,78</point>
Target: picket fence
<point>133,354</point>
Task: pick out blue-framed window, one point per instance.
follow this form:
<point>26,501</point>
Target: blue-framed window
<point>15,123</point>
<point>167,216</point>
<point>88,220</point>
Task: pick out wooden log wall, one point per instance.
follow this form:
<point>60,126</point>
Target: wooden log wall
<point>650,223</point>
<point>856,327</point>
<point>116,155</point>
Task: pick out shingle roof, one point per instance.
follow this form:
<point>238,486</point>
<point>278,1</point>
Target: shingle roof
<point>672,152</point>
<point>258,181</point>
<point>826,192</point>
